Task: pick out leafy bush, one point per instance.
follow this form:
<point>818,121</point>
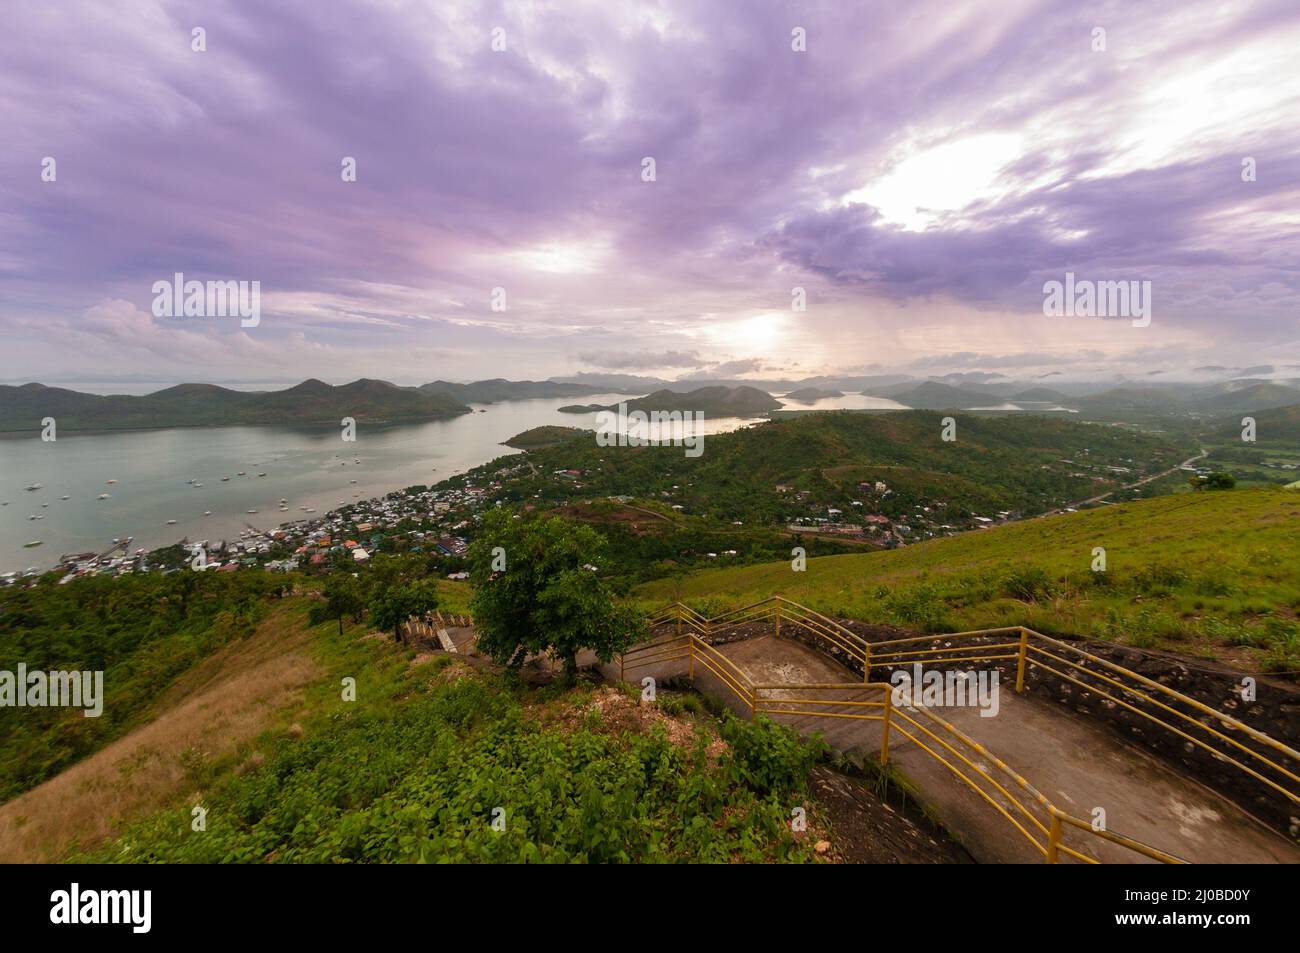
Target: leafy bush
<point>769,757</point>
<point>1028,584</point>
<point>918,606</point>
<point>424,779</point>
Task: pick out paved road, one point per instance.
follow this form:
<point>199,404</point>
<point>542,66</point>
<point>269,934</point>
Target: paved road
<point>1142,482</point>
<point>1077,765</point>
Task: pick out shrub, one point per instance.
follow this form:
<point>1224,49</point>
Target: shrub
<point>1028,584</point>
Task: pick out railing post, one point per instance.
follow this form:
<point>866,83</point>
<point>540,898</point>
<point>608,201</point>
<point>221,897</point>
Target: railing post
<point>753,704</point>
<point>778,620</point>
<point>1020,660</point>
<point>1054,840</point>
<point>866,662</point>
<point>884,737</point>
<point>620,668</point>
<point>691,657</point>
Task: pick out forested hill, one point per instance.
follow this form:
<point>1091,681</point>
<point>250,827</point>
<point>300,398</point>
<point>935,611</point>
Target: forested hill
<point>199,405</point>
<point>1027,464</point>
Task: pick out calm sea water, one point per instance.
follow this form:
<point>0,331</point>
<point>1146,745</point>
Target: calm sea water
<point>307,467</point>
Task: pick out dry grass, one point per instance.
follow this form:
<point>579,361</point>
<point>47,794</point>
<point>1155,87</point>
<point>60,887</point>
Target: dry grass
<point>225,701</point>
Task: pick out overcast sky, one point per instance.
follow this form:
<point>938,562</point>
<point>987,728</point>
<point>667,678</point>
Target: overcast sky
<point>920,170</point>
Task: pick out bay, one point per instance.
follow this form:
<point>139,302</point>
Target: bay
<point>307,467</point>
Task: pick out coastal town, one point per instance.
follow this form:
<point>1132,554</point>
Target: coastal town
<point>415,520</point>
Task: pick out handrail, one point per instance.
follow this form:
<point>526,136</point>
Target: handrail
<point>980,645</point>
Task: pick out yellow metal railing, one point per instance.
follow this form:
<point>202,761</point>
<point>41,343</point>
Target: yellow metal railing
<point>1269,761</point>
<point>1009,793</point>
<point>775,609</point>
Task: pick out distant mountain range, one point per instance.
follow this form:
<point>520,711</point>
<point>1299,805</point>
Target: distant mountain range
<point>207,405</point>
<point>715,401</point>
<point>491,391</point>
<point>935,396</point>
<point>374,401</point>
<point>807,395</point>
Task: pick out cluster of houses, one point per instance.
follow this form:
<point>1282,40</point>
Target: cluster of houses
<point>433,521</point>
<point>889,531</point>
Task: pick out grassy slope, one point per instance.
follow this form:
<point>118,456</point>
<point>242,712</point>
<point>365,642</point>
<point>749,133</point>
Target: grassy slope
<point>1212,573</point>
<point>259,736</point>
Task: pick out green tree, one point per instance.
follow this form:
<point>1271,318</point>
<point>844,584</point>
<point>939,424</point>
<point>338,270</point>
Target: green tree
<point>392,605</point>
<point>547,599</point>
<point>342,598</point>
<point>1215,481</point>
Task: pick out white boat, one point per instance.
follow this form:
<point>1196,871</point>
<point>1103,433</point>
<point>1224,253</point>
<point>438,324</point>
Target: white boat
<point>33,517</point>
<point>261,474</point>
<point>252,511</point>
<point>171,522</point>
<point>109,482</point>
<point>225,479</point>
<point>198,484</point>
<point>207,512</point>
<point>65,497</point>
<point>34,486</point>
<point>242,473</point>
<point>102,496</point>
<point>35,542</point>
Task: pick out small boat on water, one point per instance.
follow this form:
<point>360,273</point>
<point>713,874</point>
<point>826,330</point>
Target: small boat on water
<point>198,484</point>
<point>109,482</point>
<point>207,512</point>
<point>45,506</point>
<point>102,496</point>
<point>310,510</point>
<point>65,497</point>
<point>225,479</point>
<point>34,486</point>
<point>242,473</point>
<point>35,542</point>
<point>33,517</point>
<point>261,474</point>
<point>251,511</point>
<point>171,522</point>
<point>352,481</point>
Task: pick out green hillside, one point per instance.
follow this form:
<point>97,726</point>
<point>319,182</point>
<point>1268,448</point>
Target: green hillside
<point>250,721</point>
<point>545,436</point>
<point>781,470</point>
<point>1208,573</point>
